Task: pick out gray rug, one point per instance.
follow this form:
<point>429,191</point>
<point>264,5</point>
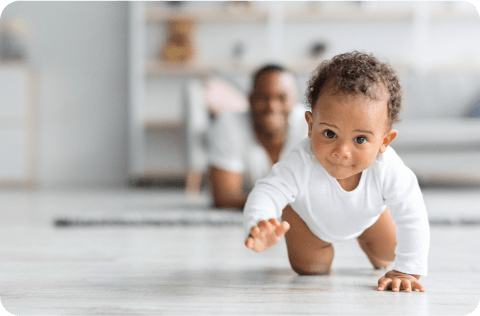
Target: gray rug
<point>162,216</point>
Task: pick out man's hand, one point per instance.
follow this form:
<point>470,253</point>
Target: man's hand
<point>400,281</point>
<point>266,234</point>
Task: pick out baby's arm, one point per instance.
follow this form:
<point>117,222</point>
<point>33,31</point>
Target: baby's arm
<point>403,196</point>
<point>269,197</point>
<point>266,234</point>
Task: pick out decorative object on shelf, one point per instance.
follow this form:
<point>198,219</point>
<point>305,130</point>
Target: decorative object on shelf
<point>179,44</point>
<point>368,6</point>
<point>238,6</point>
<point>238,53</point>
<point>176,4</point>
<point>357,2</point>
<point>317,50</point>
<point>12,40</point>
<point>314,6</point>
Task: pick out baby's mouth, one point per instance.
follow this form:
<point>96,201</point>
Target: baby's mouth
<point>339,165</point>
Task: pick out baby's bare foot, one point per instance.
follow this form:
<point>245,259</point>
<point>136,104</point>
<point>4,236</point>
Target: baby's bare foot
<point>266,234</point>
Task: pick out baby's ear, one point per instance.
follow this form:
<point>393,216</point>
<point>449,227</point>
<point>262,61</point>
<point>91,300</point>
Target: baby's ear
<point>309,119</point>
<point>387,139</point>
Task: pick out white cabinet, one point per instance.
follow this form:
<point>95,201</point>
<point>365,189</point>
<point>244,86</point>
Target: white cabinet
<point>16,125</point>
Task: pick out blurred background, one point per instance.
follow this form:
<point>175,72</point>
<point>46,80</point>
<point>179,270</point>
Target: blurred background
<point>119,94</point>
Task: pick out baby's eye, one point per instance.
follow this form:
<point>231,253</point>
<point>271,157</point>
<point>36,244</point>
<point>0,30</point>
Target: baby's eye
<point>360,140</point>
<point>329,134</point>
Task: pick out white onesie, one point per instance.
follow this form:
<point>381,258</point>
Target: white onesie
<point>334,214</point>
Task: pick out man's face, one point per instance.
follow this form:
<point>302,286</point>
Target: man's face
<point>271,102</point>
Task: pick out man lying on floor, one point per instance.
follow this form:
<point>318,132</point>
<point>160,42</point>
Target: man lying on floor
<point>243,146</point>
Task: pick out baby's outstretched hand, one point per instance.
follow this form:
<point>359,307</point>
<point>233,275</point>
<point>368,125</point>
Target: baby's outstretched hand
<point>266,234</point>
<point>399,281</point>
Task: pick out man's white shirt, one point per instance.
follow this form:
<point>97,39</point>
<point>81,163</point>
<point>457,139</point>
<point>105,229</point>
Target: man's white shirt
<point>233,145</point>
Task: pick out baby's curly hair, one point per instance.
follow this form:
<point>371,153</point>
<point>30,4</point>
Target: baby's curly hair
<point>358,72</point>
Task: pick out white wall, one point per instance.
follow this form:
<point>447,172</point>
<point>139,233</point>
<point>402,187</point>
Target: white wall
<point>79,51</point>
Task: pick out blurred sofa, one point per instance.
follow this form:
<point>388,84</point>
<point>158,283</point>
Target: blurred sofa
<point>439,136</point>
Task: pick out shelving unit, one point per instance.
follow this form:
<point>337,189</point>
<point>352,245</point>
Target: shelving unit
<point>145,126</point>
<point>274,18</point>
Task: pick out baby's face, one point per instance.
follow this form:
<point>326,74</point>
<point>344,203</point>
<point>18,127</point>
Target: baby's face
<point>348,131</point>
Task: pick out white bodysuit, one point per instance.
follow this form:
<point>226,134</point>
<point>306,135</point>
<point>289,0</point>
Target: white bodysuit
<point>333,214</point>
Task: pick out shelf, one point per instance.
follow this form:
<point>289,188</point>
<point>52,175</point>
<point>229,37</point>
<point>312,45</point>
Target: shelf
<point>309,66</point>
<point>155,68</point>
<point>218,15</point>
<point>173,173</point>
<point>456,68</point>
<point>159,68</point>
<point>352,14</point>
<point>163,124</point>
<point>455,16</point>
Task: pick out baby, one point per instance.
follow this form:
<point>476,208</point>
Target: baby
<point>344,181</point>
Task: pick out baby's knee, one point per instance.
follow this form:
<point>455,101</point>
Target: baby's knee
<point>310,269</point>
<point>312,265</point>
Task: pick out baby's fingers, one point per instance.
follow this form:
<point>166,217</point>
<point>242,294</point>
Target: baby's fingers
<point>255,232</point>
<point>249,242</point>
<point>384,283</point>
<point>282,228</point>
<point>274,222</point>
<point>396,284</point>
<point>417,286</point>
<point>265,227</point>
<point>406,285</point>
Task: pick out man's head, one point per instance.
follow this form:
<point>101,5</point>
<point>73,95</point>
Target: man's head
<point>272,99</point>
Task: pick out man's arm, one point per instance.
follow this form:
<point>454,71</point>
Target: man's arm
<point>227,188</point>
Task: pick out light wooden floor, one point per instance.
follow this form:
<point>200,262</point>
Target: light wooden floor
<point>195,270</point>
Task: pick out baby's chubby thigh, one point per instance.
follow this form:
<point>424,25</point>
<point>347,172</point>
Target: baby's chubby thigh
<point>308,254</point>
<point>379,240</point>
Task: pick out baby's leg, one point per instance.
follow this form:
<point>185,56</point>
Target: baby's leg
<point>307,253</point>
<point>379,241</point>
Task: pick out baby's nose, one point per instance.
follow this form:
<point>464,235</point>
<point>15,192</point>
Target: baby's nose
<point>342,150</point>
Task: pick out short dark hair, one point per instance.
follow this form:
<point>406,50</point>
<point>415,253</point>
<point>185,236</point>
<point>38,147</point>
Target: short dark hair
<point>357,72</point>
<point>266,69</point>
